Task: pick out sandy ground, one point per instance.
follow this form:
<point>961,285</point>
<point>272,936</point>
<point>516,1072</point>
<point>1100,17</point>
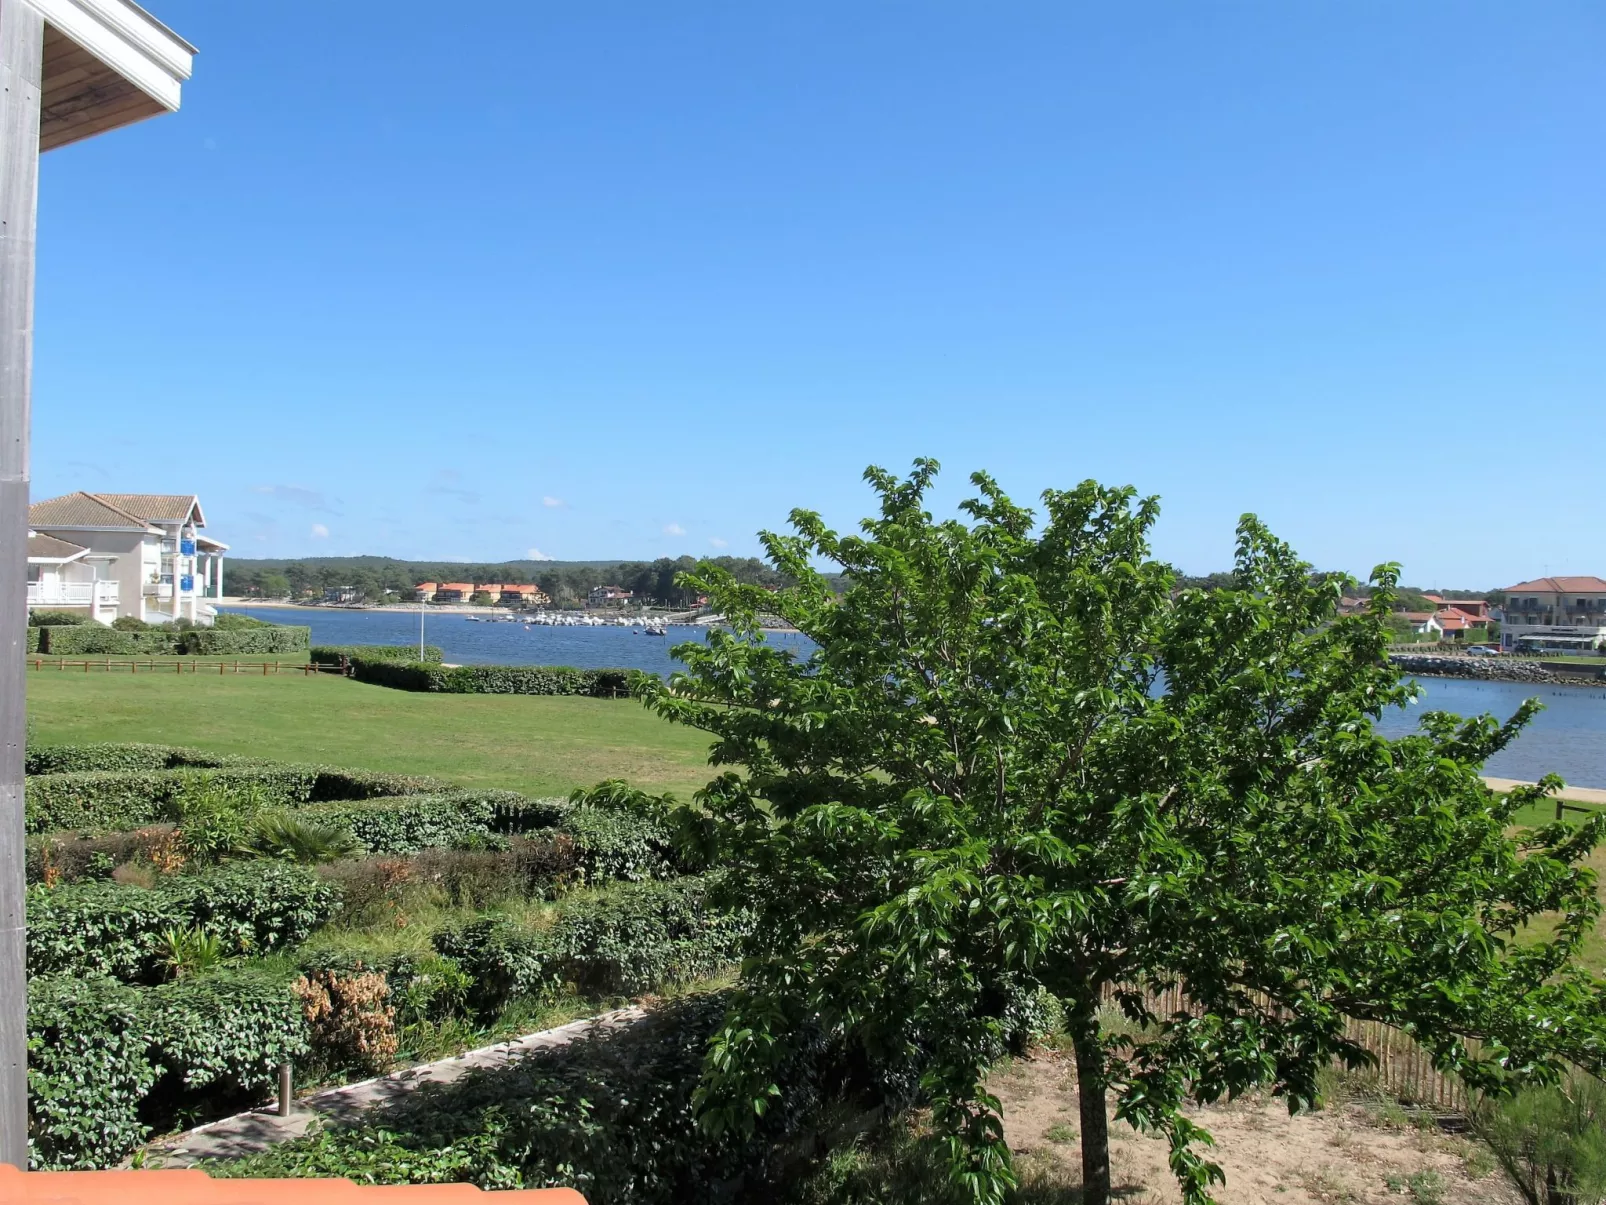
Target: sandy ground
<point>1347,1154</point>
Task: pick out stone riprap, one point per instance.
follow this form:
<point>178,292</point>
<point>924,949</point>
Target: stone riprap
<point>1495,669</point>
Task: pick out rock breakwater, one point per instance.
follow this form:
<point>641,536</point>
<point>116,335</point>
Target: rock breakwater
<point>1493,669</point>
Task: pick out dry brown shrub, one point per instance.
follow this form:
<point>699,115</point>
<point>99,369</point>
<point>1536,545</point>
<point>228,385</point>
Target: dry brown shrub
<point>351,1024</point>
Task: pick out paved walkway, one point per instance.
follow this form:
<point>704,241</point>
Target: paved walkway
<point>253,1132</point>
<point>1571,794</point>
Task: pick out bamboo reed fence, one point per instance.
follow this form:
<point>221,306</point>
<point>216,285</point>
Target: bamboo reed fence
<point>1403,1067</point>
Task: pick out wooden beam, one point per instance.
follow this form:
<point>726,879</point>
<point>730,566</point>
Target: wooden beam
<point>22,39</point>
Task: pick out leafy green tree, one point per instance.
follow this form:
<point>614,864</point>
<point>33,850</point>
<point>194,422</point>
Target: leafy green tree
<point>1017,760</point>
<point>273,585</point>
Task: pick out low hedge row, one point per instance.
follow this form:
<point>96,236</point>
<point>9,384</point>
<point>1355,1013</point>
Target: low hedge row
<point>75,759</point>
<point>638,937</point>
<point>116,929</point>
<point>217,642</point>
<point>107,1063</point>
<point>90,639</point>
<point>493,679</point>
<point>410,823</point>
<point>124,799</point>
<point>330,654</point>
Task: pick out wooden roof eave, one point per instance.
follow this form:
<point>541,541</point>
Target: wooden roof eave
<point>106,64</point>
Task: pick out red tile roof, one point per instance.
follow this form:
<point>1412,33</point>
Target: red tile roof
<point>1560,585</point>
<point>191,1187</point>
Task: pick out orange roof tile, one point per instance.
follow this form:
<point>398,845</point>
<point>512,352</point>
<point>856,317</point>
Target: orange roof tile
<point>1561,585</point>
<point>191,1187</point>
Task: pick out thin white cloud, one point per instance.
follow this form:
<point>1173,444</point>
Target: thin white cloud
<point>535,554</point>
<point>674,529</point>
<point>554,503</point>
<point>320,532</point>
<point>718,543</point>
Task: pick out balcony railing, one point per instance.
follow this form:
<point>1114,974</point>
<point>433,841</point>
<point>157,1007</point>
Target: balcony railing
<point>72,594</point>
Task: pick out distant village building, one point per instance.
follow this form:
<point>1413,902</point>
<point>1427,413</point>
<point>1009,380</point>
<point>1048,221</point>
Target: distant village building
<point>112,555</point>
<point>608,596</point>
<point>341,594</point>
<point>424,591</point>
<point>1554,614</point>
<point>521,595</point>
<point>451,592</point>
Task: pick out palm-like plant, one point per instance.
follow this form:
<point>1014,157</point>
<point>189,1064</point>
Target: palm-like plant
<point>287,837</point>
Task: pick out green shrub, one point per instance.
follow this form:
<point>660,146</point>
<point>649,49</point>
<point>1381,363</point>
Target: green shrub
<point>68,759</point>
<point>108,1062</point>
<point>638,937</point>
<point>256,906</point>
<point>32,644</point>
<point>493,679</point>
<point>619,845</point>
<point>330,654</point>
<point>643,937</point>
<point>272,638</point>
<point>100,926</point>
<point>1550,1142</point>
<point>502,961</point>
<point>232,621</point>
<point>410,823</point>
<point>128,799</point>
<point>130,623</point>
<point>119,929</point>
<point>92,639</point>
<point>58,619</point>
<point>88,1071</point>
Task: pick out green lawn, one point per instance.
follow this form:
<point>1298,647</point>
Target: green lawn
<point>538,745</point>
<point>163,662</point>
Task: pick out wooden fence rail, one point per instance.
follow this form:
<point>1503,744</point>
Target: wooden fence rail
<point>177,666</point>
<point>1403,1067</point>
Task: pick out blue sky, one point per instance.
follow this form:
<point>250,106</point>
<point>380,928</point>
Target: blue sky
<point>635,279</point>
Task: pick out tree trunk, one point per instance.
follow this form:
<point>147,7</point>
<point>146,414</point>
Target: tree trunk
<point>1090,1092</point>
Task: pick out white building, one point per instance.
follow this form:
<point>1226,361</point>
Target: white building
<point>1554,614</point>
<point>109,555</point>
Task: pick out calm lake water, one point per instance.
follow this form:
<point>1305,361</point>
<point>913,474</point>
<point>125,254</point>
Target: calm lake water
<point>1567,738</point>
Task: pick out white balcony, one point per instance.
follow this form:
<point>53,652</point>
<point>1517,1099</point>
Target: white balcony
<point>72,594</point>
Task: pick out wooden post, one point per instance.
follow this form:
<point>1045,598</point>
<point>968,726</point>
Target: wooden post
<point>285,1073</point>
<point>22,40</point>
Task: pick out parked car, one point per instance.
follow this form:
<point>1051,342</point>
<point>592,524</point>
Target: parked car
<point>1483,650</point>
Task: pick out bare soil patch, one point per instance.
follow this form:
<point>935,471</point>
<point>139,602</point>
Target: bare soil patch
<point>1350,1153</point>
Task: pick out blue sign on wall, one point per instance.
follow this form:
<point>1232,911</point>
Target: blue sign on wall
<point>187,582</point>
<point>186,547</point>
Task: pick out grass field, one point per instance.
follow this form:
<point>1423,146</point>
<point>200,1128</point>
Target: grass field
<point>539,745</point>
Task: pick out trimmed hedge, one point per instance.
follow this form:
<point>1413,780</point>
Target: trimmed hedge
<point>409,823</point>
<point>73,759</point>
<point>616,844</point>
<point>118,799</point>
<point>108,1062</point>
<point>33,638</point>
<point>494,679</point>
<point>638,937</point>
<point>330,654</point>
<point>276,638</point>
<point>92,638</point>
<point>64,619</point>
<point>110,928</point>
<point>78,640</point>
